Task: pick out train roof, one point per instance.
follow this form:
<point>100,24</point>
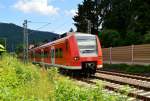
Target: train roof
<point>64,36</point>
<point>83,34</point>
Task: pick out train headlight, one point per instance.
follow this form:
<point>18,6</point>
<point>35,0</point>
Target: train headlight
<point>76,58</point>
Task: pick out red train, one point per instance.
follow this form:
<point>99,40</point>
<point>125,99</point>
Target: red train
<point>75,51</point>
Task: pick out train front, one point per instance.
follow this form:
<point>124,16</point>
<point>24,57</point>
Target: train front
<point>90,53</point>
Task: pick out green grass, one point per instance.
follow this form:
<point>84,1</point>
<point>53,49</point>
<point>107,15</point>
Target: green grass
<point>128,68</point>
<point>19,82</point>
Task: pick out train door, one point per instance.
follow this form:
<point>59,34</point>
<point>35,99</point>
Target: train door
<point>52,55</point>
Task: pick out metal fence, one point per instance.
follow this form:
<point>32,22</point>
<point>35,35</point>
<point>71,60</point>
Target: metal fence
<point>134,54</point>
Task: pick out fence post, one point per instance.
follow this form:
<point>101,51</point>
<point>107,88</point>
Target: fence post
<point>132,54</point>
<point>110,55</point>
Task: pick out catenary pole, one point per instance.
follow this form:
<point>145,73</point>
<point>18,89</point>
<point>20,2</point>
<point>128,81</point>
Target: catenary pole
<point>25,42</point>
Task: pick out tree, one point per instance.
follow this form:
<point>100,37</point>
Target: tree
<point>140,16</point>
<point>115,14</point>
<point>125,20</point>
<point>110,38</point>
<point>86,11</point>
<point>147,37</point>
<point>2,41</point>
<point>19,48</point>
<point>71,30</point>
<point>79,19</point>
<point>133,38</point>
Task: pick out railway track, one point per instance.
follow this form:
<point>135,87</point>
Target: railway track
<point>124,80</point>
<point>87,83</point>
<point>143,78</point>
<point>140,88</point>
<point>135,93</point>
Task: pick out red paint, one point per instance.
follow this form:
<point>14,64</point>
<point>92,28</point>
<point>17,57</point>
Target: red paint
<point>70,51</point>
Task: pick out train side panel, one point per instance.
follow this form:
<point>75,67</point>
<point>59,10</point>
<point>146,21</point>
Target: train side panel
<point>74,53</point>
<point>71,52</point>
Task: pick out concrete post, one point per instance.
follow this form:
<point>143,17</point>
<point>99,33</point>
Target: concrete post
<point>132,54</point>
<point>110,55</point>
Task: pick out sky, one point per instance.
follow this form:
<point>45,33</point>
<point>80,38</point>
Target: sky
<point>58,13</point>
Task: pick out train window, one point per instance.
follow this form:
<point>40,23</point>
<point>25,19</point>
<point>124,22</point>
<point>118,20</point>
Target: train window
<point>38,55</point>
<point>35,55</point>
<point>45,54</point>
<point>60,53</point>
<point>31,54</point>
<point>56,53</point>
<point>87,45</point>
<point>49,54</point>
<point>42,54</point>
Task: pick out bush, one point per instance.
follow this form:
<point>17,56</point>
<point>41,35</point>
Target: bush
<point>128,68</point>
<point>110,38</point>
<point>19,82</point>
<point>13,76</point>
<point>133,38</point>
<point>66,90</point>
<point>147,37</point>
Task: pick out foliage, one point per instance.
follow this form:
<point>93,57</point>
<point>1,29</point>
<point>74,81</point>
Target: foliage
<point>26,82</point>
<point>86,11</point>
<point>71,30</point>
<point>13,76</point>
<point>147,37</point>
<point>2,41</point>
<point>129,18</point>
<point>19,48</point>
<point>133,38</point>
<point>110,38</point>
<point>66,90</point>
<point>128,68</point>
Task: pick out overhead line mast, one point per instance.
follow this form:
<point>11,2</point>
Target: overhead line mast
<point>26,39</point>
<point>25,42</point>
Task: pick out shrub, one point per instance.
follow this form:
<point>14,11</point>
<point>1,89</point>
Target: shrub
<point>66,90</point>
<point>110,38</point>
<point>128,68</point>
<point>133,38</point>
<point>20,82</point>
<point>147,37</point>
<point>13,76</point>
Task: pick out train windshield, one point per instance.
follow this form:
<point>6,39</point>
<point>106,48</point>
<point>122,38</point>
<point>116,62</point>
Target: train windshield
<point>87,44</point>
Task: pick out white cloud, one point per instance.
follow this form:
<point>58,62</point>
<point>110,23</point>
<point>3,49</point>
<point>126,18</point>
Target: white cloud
<point>71,12</point>
<point>38,6</point>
